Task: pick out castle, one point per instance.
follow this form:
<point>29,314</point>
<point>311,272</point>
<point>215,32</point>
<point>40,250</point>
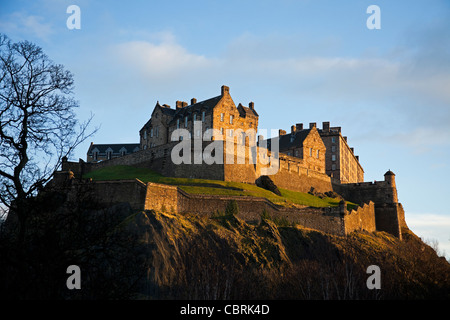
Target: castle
<point>308,159</point>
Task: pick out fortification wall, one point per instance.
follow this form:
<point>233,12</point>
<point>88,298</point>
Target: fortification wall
<point>107,193</point>
<point>140,196</point>
<point>363,192</point>
<point>390,218</point>
<point>363,218</point>
<point>161,197</point>
<point>333,220</point>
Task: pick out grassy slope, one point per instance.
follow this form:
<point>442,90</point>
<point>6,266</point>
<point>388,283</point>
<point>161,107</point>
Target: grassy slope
<point>214,187</point>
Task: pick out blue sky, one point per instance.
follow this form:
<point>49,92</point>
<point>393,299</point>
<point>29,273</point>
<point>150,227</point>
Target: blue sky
<point>299,61</point>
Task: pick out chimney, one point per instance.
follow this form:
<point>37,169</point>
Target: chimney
<point>353,150</point>
<point>184,104</point>
<point>251,105</point>
<point>293,129</point>
<point>193,101</point>
<point>299,127</point>
<point>345,138</point>
<point>357,158</point>
<point>312,125</point>
<point>326,126</point>
<point>260,139</point>
<point>179,104</point>
<point>224,90</point>
<point>281,132</point>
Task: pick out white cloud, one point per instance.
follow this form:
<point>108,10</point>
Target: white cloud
<point>19,23</point>
<point>430,226</point>
<point>429,220</point>
<point>166,60</point>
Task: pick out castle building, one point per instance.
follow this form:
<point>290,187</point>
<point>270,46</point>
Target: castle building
<point>341,162</point>
<point>324,150</point>
<point>321,150</point>
<point>302,143</point>
<point>218,113</point>
<point>100,152</point>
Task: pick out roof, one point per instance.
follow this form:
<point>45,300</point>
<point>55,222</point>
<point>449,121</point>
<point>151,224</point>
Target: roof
<point>243,111</point>
<point>116,147</point>
<point>205,105</point>
<point>286,142</point>
<point>167,110</point>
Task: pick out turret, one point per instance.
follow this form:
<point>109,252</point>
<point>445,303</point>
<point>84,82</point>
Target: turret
<point>391,189</point>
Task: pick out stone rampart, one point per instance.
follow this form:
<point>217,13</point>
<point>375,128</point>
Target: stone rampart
<point>333,220</point>
<point>141,196</point>
<point>106,193</point>
<point>363,218</point>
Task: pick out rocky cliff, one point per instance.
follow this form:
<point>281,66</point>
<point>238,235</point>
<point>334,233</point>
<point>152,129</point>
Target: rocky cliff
<point>124,254</point>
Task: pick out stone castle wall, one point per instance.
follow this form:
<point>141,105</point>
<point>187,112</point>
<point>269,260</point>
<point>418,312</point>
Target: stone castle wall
<point>333,220</point>
<point>363,192</point>
<point>107,193</point>
<point>362,218</point>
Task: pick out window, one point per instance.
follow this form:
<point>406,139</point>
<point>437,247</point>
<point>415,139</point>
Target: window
<point>333,167</point>
<point>222,116</point>
<point>333,148</point>
<point>310,152</point>
<point>296,153</point>
<point>230,132</point>
<point>333,157</point>
<point>157,131</point>
<point>178,123</point>
<point>95,155</point>
<point>123,153</point>
<point>109,155</point>
<point>185,122</point>
<point>203,116</point>
<point>231,119</point>
<point>197,133</point>
<point>221,131</point>
<point>288,154</point>
<point>145,135</point>
<point>333,139</point>
<point>151,133</point>
<point>195,117</point>
<point>318,152</point>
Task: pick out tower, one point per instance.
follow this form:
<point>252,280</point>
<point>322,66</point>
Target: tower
<point>391,189</point>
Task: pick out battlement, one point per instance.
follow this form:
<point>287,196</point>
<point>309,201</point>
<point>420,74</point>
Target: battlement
<point>154,196</point>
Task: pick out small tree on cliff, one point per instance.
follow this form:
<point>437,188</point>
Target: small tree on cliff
<point>38,126</point>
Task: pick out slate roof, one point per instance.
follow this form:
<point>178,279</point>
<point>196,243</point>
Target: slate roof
<point>243,111</point>
<point>285,141</point>
<point>116,147</point>
<point>167,110</point>
<point>206,105</point>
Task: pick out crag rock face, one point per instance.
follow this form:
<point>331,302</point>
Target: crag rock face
<point>266,183</point>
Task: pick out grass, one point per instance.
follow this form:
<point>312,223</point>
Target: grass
<point>212,187</point>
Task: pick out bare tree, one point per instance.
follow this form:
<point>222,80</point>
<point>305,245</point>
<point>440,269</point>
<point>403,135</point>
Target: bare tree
<point>38,126</point>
